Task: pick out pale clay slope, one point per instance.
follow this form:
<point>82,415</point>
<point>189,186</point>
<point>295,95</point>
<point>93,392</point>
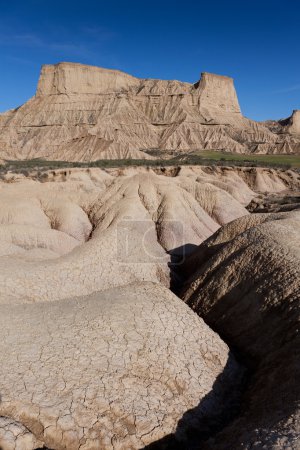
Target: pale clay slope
<point>91,230</point>
<point>85,113</point>
<point>256,309</point>
<point>115,370</point>
<point>128,366</point>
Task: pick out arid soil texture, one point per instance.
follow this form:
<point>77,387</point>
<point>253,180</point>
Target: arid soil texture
<point>152,308</point>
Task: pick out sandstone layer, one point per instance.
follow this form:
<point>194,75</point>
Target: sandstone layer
<point>291,125</point>
<point>85,113</point>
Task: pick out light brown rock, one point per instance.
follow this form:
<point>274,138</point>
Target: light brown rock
<point>86,113</point>
<point>289,125</point>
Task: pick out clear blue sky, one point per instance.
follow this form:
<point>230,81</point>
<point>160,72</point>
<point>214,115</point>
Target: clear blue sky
<point>256,42</point>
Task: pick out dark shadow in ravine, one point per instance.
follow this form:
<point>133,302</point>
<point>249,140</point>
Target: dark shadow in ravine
<point>178,256</point>
<point>216,410</point>
<point>222,404</point>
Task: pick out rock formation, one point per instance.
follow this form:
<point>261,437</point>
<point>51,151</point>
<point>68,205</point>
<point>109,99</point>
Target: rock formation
<point>291,125</point>
<point>286,201</point>
<point>84,113</point>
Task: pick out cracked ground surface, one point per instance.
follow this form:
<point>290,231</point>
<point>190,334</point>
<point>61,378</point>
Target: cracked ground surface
<point>115,370</point>
<point>97,354</point>
<point>256,309</point>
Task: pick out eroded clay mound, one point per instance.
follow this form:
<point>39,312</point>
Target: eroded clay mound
<point>73,232</point>
<point>244,282</point>
<point>85,231</point>
<point>132,365</point>
<point>116,370</point>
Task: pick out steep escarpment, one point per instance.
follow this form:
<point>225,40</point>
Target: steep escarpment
<point>85,113</point>
<point>294,125</point>
<point>79,79</point>
<point>290,125</point>
<point>217,94</point>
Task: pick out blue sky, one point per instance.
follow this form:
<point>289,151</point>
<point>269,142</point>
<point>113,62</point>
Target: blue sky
<point>256,42</point>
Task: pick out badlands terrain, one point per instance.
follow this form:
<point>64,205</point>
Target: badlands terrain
<point>86,113</point>
<point>149,308</point>
<point>152,306</point>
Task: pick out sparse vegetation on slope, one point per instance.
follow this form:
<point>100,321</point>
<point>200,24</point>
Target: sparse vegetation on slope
<point>84,113</point>
<point>203,158</point>
<point>259,160</point>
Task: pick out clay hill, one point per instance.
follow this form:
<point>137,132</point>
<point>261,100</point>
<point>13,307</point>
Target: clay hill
<point>97,351</point>
<point>85,113</point>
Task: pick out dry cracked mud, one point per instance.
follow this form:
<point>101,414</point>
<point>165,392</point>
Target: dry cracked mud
<point>98,353</point>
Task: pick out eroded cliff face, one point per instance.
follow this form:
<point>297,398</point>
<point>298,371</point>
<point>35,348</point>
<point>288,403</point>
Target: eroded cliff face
<point>84,113</point>
<point>292,124</point>
<point>217,94</point>
<point>288,126</point>
<point>68,78</point>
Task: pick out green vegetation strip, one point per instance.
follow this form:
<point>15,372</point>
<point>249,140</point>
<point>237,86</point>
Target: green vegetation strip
<point>205,158</point>
<point>290,160</point>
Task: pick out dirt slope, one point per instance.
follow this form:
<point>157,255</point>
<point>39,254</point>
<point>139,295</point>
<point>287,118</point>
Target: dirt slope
<point>255,308</point>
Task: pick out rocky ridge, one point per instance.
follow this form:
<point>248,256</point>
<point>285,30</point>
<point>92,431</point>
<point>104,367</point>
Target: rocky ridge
<point>85,113</point>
